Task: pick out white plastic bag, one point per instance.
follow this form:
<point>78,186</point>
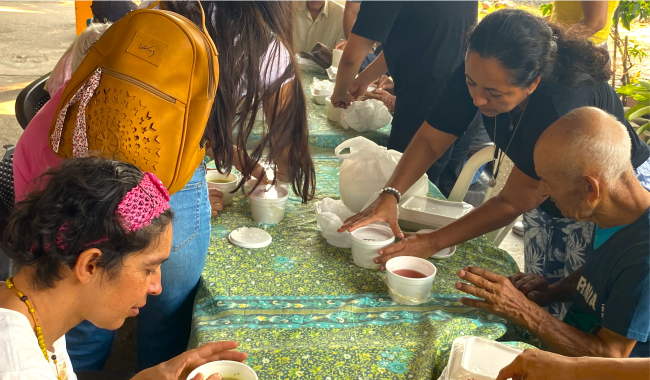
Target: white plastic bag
<point>330,215</point>
<point>367,115</point>
<point>365,171</point>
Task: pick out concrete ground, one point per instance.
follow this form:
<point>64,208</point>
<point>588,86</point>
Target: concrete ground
<point>34,36</point>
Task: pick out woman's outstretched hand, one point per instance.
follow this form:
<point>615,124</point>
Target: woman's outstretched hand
<point>383,209</point>
<point>179,368</point>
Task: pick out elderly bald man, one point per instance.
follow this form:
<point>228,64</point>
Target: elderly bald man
<point>583,161</point>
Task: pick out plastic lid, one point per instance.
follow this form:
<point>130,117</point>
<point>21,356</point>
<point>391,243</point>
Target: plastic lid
<point>249,237</point>
<point>373,234</point>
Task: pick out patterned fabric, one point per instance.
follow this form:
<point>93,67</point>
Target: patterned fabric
<point>323,132</point>
<point>556,247</point>
<point>302,309</point>
<point>143,203</point>
<point>83,96</point>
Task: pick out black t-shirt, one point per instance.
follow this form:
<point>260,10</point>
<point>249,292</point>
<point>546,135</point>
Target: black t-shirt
<point>454,109</point>
<point>423,42</point>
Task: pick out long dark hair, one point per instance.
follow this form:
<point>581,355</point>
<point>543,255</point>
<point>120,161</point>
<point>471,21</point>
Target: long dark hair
<point>243,32</point>
<point>76,211</point>
<point>530,47</point>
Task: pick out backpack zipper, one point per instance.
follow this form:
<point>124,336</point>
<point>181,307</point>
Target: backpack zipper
<point>140,83</point>
<point>211,81</point>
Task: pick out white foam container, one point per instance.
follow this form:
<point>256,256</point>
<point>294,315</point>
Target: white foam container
<point>477,358</point>
<point>405,290</point>
<point>418,212</point>
<point>318,98</point>
<point>225,188</point>
<point>268,210</point>
<point>331,72</point>
<point>333,113</point>
<point>226,368</point>
<point>336,57</point>
<point>366,243</point>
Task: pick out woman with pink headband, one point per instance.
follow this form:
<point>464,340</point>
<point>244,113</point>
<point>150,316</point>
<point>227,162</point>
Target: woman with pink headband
<point>87,247</point>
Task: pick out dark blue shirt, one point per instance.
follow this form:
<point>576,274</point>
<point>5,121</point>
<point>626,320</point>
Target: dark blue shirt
<point>614,290</point>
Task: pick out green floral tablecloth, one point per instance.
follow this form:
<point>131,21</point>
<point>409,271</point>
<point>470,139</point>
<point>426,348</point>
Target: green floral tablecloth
<point>303,310</point>
<point>323,132</point>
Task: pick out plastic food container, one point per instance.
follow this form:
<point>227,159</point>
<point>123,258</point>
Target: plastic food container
<point>477,358</point>
<point>336,57</point>
<point>224,182</point>
<point>333,113</point>
<point>410,279</point>
<point>331,72</point>
<point>268,207</point>
<point>417,212</point>
<point>321,89</point>
<point>366,243</point>
<point>227,369</point>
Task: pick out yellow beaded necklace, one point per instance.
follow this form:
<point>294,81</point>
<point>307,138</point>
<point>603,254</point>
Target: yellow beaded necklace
<point>37,328</point>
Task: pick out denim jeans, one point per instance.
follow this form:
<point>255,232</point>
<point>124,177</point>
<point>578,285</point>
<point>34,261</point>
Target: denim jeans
<point>164,323</point>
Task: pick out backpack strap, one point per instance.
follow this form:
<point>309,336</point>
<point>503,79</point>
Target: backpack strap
<point>79,137</point>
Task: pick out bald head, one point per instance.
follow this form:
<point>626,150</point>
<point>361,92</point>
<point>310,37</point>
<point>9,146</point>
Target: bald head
<point>584,142</point>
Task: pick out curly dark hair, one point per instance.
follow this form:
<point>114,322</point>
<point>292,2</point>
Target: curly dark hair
<point>530,47</point>
<point>73,212</point>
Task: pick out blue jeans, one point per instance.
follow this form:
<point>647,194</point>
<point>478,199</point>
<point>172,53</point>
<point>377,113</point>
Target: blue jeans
<point>164,323</point>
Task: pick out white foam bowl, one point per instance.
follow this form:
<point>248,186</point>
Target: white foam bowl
<point>405,290</point>
<point>333,113</point>
<point>226,368</point>
<point>366,243</point>
<point>226,188</point>
<point>268,210</point>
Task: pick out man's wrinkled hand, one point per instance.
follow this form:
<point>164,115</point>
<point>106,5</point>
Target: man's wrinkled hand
<point>533,286</point>
<point>499,295</point>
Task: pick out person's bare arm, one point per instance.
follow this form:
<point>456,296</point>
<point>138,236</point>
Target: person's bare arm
<point>425,148</point>
<point>350,17</point>
<point>535,364</point>
<point>517,197</point>
<point>351,60</point>
<point>595,13</point>
<point>497,295</point>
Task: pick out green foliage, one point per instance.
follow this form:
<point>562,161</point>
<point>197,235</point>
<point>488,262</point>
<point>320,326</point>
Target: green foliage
<point>546,9</point>
<point>640,91</point>
<point>630,10</point>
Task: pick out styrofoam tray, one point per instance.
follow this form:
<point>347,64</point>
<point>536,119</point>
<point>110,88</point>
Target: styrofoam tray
<point>477,358</point>
<point>432,212</point>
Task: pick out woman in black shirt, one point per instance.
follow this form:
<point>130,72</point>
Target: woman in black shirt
<point>522,74</point>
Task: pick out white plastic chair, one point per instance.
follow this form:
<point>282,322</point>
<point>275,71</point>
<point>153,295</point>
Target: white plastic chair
<point>481,157</point>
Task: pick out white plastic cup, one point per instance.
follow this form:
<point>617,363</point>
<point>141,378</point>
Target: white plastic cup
<point>405,290</point>
<point>227,187</point>
<point>333,113</point>
<point>366,243</point>
<point>336,57</point>
<point>268,207</point>
<point>226,368</point>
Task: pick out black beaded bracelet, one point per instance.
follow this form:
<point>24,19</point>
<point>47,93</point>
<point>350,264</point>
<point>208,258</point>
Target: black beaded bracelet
<point>393,191</point>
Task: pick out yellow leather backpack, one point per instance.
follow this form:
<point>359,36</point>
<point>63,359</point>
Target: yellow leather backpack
<point>143,95</point>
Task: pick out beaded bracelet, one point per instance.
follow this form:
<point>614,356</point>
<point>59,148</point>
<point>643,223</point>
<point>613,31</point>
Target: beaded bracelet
<point>393,191</point>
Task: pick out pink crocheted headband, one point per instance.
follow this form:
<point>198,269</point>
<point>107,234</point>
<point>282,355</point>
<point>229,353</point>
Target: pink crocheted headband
<point>143,203</point>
